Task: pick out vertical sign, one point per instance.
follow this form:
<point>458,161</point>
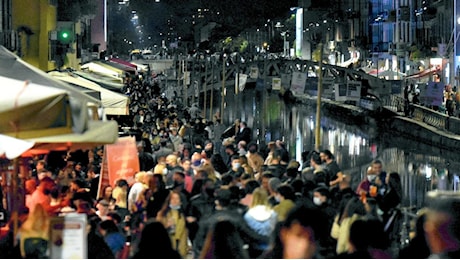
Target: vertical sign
<point>328,88</point>
<point>311,86</point>
<point>285,80</point>
<point>341,92</point>
<point>254,72</point>
<point>276,83</point>
<point>298,82</point>
<point>120,161</point>
<point>241,82</point>
<point>68,237</point>
<point>432,94</point>
<point>354,90</point>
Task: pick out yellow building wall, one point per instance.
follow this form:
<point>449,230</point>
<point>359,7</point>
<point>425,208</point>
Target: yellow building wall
<point>40,17</point>
<point>72,60</point>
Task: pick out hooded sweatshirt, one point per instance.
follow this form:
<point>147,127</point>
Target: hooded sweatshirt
<point>261,219</point>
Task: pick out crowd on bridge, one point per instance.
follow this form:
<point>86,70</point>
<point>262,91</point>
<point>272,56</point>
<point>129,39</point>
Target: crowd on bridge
<point>207,191</point>
<point>450,104</point>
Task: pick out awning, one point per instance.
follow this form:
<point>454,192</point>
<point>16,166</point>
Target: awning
<point>424,73</point>
<point>102,69</point>
<point>11,66</point>
<point>98,133</point>
<point>126,63</point>
<point>11,147</point>
<point>120,66</point>
<point>29,110</point>
<point>105,82</point>
<point>113,103</point>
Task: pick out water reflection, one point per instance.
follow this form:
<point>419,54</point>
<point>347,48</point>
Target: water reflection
<point>421,166</point>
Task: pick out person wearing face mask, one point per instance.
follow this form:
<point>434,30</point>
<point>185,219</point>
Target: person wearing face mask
<point>172,216</point>
<point>322,200</point>
<point>286,197</point>
<point>196,160</point>
<point>236,170</point>
<point>368,186</point>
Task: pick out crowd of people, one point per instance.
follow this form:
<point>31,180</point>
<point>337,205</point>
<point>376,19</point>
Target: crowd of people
<point>204,191</point>
<point>449,105</point>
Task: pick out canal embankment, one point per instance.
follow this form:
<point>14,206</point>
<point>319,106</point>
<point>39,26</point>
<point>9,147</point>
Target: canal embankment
<point>425,125</point>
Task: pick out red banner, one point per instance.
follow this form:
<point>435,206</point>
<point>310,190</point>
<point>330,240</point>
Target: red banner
<point>120,161</point>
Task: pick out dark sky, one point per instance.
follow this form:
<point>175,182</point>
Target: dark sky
<point>235,14</point>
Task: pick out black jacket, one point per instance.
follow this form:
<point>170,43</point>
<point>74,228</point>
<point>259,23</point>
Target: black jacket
<point>244,135</point>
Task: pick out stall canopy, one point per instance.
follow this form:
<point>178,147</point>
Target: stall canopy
<point>43,116</point>
<point>98,133</point>
<point>12,147</point>
<point>105,82</point>
<point>120,66</point>
<point>103,69</point>
<point>11,66</point>
<point>113,103</point>
<point>29,110</point>
<point>126,63</point>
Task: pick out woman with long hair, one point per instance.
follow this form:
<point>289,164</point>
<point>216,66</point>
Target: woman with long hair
<point>34,234</point>
<point>120,194</point>
<point>172,216</point>
<point>107,194</point>
<point>155,195</point>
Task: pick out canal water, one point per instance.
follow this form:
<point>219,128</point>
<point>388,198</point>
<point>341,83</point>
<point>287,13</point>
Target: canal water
<point>422,167</point>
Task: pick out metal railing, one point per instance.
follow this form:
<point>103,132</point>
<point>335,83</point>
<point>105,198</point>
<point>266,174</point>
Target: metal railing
<point>423,114</point>
<point>393,102</point>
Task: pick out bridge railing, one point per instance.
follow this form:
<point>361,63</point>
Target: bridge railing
<point>454,125</point>
<point>437,119</point>
<point>431,117</point>
<point>423,114</point>
<point>393,102</point>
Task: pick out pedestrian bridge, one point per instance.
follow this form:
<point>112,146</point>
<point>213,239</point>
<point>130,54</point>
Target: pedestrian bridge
<point>209,72</point>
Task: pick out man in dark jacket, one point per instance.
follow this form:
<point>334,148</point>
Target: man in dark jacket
<point>244,134</point>
<point>200,207</point>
